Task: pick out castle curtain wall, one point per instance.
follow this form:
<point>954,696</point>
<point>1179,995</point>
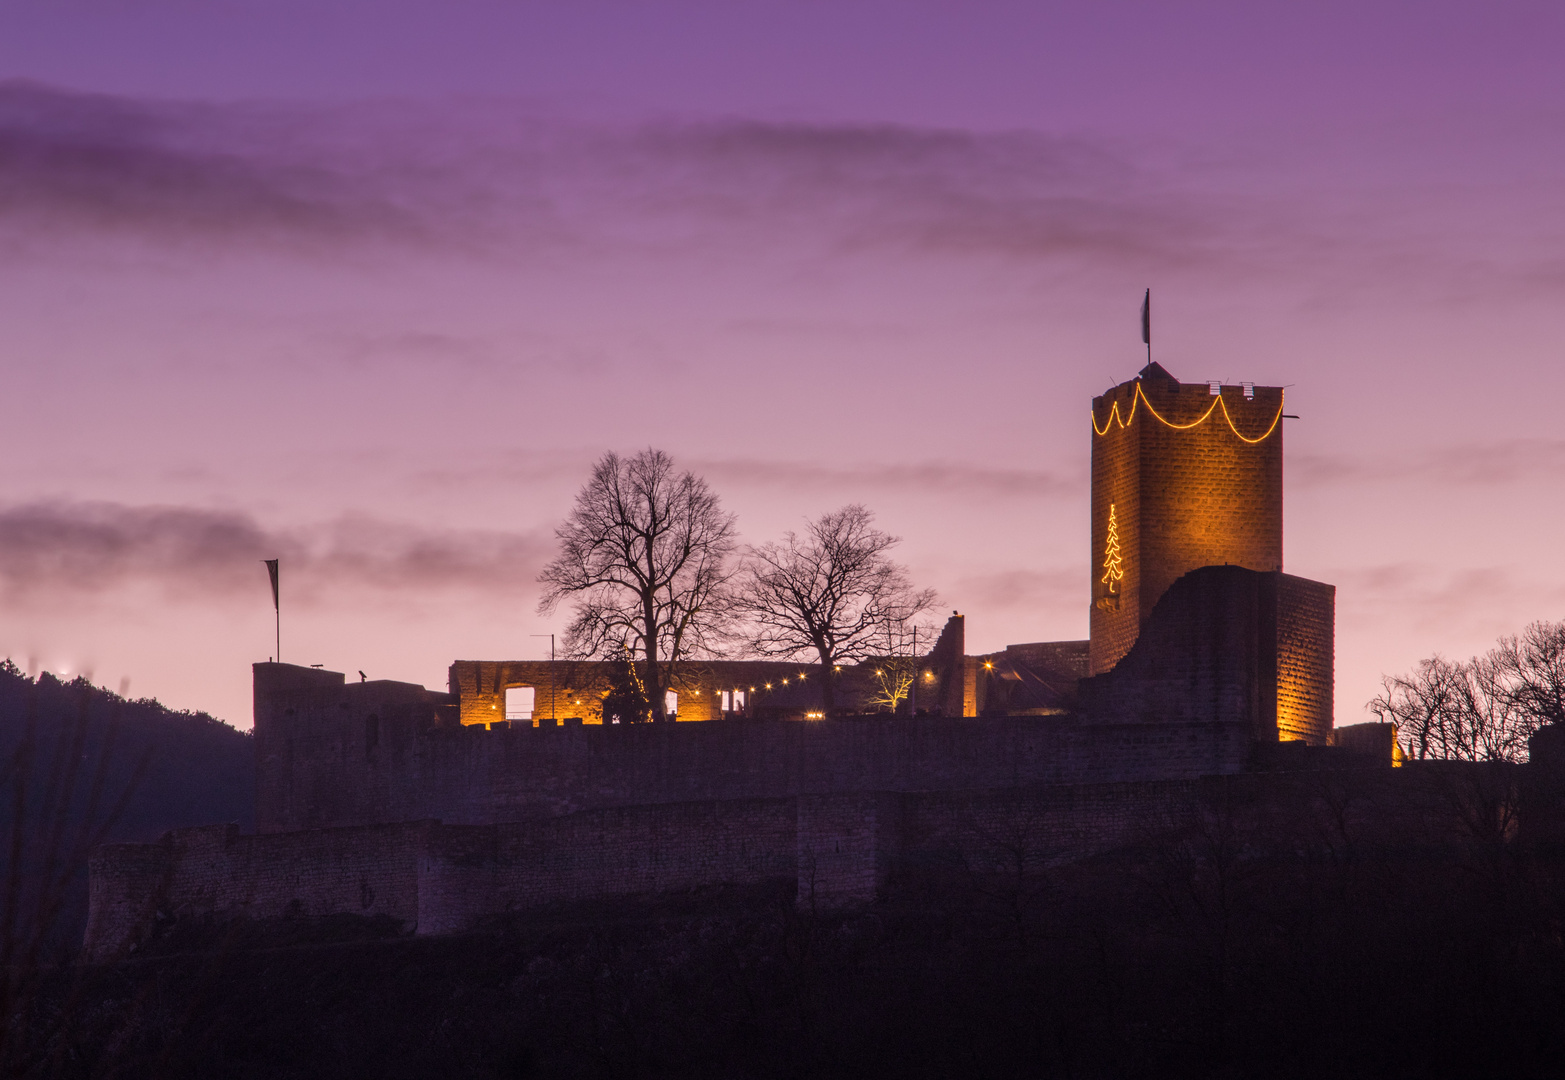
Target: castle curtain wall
<point>322,762</point>
<point>1232,645</point>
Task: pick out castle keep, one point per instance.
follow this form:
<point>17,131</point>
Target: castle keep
<point>516,787</point>
<point>1187,476</point>
<point>1184,476</point>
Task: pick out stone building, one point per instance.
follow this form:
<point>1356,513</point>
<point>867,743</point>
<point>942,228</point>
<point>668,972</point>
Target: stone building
<point>517,787</point>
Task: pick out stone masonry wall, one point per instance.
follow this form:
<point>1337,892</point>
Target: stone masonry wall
<point>1232,645</point>
<point>1201,496</point>
<point>472,873</point>
<point>371,753</point>
<point>573,691</point>
<point>214,869</point>
<point>1306,659</point>
<point>835,849</point>
<point>566,689</point>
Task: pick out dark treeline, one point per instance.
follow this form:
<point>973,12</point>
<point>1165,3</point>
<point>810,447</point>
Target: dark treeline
<point>83,766</point>
<point>1251,935</point>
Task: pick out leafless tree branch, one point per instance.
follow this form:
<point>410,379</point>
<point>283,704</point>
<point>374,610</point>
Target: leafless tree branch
<point>645,554</point>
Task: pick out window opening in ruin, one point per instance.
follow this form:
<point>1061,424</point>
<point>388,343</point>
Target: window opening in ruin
<point>519,701</point>
<point>671,703</point>
<point>739,696</point>
<point>728,701</point>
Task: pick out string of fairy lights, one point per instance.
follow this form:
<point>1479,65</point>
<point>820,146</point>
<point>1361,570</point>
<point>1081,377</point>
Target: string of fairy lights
<point>1138,399</point>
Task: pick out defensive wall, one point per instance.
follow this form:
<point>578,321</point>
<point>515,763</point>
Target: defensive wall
<point>1228,644</point>
<point>709,690</point>
<point>332,753</point>
<point>437,810</point>
<point>831,848</point>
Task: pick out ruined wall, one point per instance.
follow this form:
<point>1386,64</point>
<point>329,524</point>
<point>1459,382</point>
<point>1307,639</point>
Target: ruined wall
<point>468,874</point>
<point>1232,645</point>
<point>567,688</point>
<point>439,879</point>
<point>943,680</point>
<point>1063,661</point>
<point>214,870</point>
<point>575,689</point>
<point>322,762</point>
<point>836,848</point>
<point>1306,659</point>
<point>1185,493</point>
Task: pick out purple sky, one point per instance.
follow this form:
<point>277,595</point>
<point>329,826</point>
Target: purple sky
<point>368,286</point>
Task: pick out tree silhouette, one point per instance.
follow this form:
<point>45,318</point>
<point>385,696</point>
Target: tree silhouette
<point>646,553</point>
<point>833,594</point>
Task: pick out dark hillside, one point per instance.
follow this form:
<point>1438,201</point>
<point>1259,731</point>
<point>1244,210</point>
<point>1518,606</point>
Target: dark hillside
<point>1184,960</point>
<point>84,766</point>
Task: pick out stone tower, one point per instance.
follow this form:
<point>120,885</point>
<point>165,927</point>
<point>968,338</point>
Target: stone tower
<point>1184,475</point>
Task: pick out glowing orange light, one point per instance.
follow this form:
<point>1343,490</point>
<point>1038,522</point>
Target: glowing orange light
<point>1113,570</point>
<point>1138,399</point>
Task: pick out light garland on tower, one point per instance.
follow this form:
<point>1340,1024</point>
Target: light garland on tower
<point>1139,398</point>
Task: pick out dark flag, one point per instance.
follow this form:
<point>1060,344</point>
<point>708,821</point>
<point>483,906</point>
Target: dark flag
<point>1146,320</point>
<point>271,569</point>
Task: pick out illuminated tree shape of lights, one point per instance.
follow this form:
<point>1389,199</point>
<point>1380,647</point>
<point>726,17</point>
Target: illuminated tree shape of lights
<point>1113,567</point>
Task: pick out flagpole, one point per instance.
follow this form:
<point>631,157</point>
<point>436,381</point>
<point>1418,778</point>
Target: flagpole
<point>277,607</point>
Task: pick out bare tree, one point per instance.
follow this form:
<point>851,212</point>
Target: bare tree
<point>1530,672</point>
<point>1484,709</point>
<point>646,553</point>
<point>834,594</point>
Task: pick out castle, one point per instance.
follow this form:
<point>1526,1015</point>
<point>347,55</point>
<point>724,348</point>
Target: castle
<point>516,789</point>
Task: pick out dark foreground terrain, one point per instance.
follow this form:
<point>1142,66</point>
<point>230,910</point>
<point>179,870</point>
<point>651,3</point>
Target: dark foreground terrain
<point>1207,954</point>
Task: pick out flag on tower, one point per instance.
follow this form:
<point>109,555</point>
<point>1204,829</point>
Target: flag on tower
<point>1146,319</point>
<point>271,570</point>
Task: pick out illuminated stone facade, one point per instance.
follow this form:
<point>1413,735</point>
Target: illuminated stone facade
<point>1191,479</point>
<point>1188,476</point>
<point>1226,644</point>
<point>440,810</point>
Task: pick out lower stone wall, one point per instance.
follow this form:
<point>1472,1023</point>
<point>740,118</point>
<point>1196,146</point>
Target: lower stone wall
<point>369,870</point>
<point>837,848</point>
<point>470,873</point>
